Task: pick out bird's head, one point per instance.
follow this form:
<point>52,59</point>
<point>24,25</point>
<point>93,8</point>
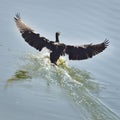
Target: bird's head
<point>57,33</point>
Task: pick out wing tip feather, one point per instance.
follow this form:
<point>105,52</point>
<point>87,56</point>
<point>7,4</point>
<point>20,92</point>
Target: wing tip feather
<point>17,16</point>
<point>106,43</point>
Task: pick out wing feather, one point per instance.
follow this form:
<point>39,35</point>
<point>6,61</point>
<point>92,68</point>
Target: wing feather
<point>29,36</point>
<point>21,25</point>
<point>85,51</point>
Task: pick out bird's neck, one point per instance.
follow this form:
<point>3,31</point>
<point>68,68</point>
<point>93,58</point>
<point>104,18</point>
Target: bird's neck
<point>57,38</point>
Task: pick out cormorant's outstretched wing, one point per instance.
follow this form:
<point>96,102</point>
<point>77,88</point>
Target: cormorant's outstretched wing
<point>28,34</point>
<point>38,42</point>
<point>85,51</point>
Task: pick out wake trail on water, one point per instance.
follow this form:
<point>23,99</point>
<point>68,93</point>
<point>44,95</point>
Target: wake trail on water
<point>78,84</point>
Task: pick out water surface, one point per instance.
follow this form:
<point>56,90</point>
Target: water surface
<point>32,88</point>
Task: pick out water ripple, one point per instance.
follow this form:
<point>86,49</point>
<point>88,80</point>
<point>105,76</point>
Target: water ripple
<point>78,84</point>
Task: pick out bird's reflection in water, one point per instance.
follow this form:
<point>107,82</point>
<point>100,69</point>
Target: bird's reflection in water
<point>78,84</point>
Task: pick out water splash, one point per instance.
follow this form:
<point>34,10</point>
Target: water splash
<point>78,84</point>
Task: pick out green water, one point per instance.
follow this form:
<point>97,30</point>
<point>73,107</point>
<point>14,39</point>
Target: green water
<point>79,86</point>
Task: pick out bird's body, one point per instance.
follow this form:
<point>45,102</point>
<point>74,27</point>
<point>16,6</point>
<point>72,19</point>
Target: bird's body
<point>56,48</point>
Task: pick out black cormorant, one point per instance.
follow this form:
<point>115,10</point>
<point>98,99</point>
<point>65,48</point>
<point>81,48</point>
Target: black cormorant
<point>57,49</point>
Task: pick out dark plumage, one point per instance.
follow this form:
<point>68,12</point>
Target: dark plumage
<point>56,48</point>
